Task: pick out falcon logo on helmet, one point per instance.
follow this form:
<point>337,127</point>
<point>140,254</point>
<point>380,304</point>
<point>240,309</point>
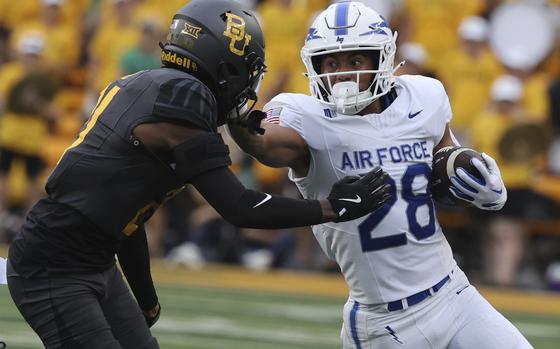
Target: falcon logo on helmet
<point>345,27</point>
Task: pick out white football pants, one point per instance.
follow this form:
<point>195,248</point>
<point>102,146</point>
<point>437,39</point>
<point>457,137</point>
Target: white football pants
<point>456,317</point>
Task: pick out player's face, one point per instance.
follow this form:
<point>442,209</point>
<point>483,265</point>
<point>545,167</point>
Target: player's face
<point>348,62</point>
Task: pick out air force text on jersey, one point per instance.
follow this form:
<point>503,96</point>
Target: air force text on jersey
<point>359,159</point>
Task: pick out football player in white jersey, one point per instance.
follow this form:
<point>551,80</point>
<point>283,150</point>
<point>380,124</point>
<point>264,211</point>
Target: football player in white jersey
<point>406,290</point>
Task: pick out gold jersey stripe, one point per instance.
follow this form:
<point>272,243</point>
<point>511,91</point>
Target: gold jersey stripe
<point>102,103</point>
<point>97,111</point>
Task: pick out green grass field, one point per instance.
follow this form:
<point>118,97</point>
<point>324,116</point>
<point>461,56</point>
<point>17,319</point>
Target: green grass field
<point>196,316</point>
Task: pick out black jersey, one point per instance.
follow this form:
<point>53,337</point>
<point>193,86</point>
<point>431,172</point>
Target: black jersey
<point>107,183</point>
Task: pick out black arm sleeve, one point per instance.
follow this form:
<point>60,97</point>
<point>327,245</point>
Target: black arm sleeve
<point>252,209</point>
<point>554,98</point>
<point>134,259</point>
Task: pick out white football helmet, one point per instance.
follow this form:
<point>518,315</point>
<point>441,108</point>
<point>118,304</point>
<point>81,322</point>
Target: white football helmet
<point>349,26</point>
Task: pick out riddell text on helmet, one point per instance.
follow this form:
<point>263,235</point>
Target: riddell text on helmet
<point>184,62</point>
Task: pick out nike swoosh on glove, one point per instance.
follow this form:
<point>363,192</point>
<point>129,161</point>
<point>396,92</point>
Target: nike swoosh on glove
<point>353,197</point>
<point>487,194</point>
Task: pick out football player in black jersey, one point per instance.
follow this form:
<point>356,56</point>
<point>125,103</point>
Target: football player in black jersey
<point>150,134</point>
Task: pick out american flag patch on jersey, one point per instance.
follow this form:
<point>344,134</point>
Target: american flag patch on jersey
<point>273,115</point>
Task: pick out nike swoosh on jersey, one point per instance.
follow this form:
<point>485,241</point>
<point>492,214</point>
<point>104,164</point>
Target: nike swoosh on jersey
<point>268,197</point>
<point>412,115</point>
<point>357,200</point>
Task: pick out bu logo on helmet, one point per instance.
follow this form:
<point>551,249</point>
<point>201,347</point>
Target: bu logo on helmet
<point>235,30</point>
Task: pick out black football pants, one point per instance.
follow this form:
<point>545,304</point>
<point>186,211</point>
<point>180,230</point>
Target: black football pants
<point>81,311</point>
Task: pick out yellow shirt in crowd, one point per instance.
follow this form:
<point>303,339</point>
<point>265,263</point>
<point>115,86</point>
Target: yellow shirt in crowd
<point>486,132</point>
<point>284,31</point>
<point>61,43</point>
<point>434,24</point>
<point>10,74</point>
<point>535,96</point>
<point>25,134</point>
<point>468,81</point>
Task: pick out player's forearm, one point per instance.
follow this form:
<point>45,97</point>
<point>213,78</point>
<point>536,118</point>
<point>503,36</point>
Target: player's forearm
<point>248,208</point>
<point>278,213</point>
<point>134,259</point>
<point>251,144</point>
<point>260,147</point>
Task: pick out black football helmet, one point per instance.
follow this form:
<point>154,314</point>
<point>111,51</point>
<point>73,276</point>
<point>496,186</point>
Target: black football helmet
<point>221,43</point>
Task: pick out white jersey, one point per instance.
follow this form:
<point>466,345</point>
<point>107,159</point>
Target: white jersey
<point>400,249</point>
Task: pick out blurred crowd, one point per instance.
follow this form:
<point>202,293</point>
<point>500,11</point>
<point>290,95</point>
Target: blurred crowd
<point>499,62</point>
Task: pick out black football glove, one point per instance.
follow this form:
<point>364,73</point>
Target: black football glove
<point>152,315</point>
<point>352,197</point>
<point>252,122</point>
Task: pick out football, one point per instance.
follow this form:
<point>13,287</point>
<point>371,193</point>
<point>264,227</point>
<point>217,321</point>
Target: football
<point>444,164</point>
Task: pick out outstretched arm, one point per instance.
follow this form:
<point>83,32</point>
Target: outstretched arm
<point>248,208</point>
<point>202,159</point>
<point>277,147</point>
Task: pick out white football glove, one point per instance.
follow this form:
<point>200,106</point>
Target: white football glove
<point>487,194</point>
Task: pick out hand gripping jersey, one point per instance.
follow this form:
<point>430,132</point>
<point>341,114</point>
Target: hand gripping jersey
<point>107,184</point>
<point>400,249</point>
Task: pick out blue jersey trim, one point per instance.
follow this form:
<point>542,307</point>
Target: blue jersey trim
<point>353,325</point>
